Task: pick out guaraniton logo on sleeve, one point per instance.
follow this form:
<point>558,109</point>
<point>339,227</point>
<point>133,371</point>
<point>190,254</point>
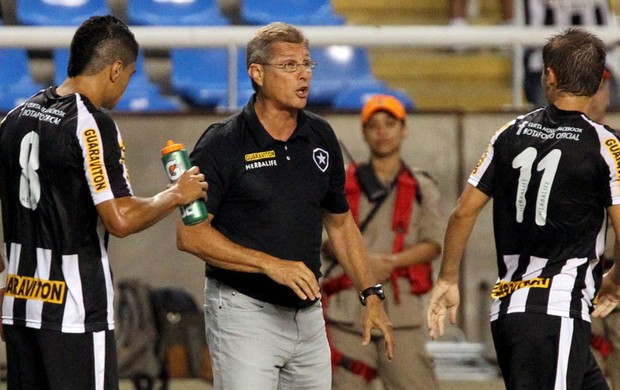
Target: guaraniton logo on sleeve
<point>94,160</point>
<point>614,150</point>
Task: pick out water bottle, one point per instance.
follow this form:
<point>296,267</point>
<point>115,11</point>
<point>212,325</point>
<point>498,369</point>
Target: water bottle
<point>176,161</point>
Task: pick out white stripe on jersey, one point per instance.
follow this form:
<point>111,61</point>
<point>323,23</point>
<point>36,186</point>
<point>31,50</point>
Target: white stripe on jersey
<point>511,262</point>
<point>610,147</point>
<point>566,338</point>
<point>9,301</point>
<point>74,314</point>
<point>518,300</point>
<point>485,161</point>
<point>74,311</point>
<point>86,123</point>
<point>34,307</point>
<point>601,238</point>
<point>105,264</point>
<point>562,286</point>
<point>588,292</point>
<point>125,169</point>
<point>487,156</point>
<point>99,351</point>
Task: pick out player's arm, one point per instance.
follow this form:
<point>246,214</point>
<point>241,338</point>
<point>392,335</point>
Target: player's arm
<point>445,294</point>
<point>3,276</point>
<point>609,293</point>
<point>121,212</point>
<point>130,214</point>
<point>460,226</point>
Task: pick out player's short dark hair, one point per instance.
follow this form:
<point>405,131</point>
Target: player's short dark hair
<point>577,58</point>
<point>98,42</point>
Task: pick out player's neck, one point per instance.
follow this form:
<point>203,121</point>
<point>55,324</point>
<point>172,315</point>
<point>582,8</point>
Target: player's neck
<point>86,86</point>
<point>572,103</point>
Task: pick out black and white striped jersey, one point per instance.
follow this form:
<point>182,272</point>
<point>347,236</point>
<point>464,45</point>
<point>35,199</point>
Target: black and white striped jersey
<point>59,157</point>
<point>552,174</point>
<point>565,13</point>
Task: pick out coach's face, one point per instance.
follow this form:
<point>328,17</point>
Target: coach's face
<point>284,79</point>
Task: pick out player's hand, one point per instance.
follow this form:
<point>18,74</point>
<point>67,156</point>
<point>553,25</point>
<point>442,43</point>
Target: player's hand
<point>375,318</point>
<point>445,296</point>
<point>297,276</point>
<point>608,296</point>
<point>190,186</point>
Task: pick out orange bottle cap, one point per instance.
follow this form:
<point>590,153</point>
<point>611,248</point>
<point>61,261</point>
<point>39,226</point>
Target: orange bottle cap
<point>170,147</point>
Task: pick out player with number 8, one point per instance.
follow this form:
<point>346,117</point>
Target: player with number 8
<point>65,188</point>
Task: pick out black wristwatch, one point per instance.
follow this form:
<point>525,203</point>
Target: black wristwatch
<point>377,290</point>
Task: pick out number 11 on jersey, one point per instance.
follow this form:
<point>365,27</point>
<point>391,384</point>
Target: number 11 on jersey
<point>549,165</point>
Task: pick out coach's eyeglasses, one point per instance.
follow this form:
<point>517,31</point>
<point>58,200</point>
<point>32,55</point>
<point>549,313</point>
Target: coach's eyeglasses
<point>293,66</point>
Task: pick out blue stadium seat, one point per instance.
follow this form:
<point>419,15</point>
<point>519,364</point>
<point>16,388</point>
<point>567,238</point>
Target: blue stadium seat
<point>354,97</point>
<point>60,58</point>
<point>338,68</point>
<point>244,90</point>
<point>175,12</point>
<point>200,76</point>
<point>16,82</point>
<point>140,96</point>
<point>297,12</point>
<point>244,84</point>
<point>58,12</point>
<point>243,96</point>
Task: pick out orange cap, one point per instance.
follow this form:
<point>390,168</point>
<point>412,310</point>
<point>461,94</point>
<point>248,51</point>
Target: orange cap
<point>170,147</point>
<point>383,103</point>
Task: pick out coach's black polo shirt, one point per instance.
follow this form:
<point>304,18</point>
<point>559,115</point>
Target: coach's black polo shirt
<point>269,195</point>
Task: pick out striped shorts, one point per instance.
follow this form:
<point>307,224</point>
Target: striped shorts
<point>45,359</point>
<point>539,351</point>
